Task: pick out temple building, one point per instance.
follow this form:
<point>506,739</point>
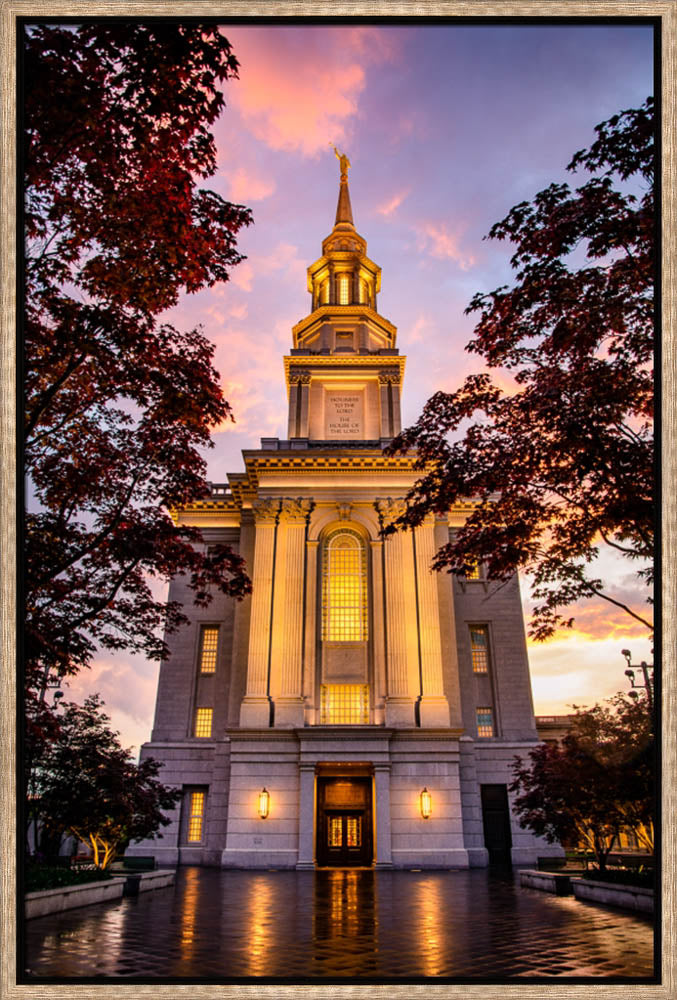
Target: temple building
<point>358,708</point>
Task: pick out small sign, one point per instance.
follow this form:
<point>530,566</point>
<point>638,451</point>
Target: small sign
<point>343,414</point>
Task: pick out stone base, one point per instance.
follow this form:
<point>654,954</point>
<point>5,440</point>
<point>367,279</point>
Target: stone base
<point>400,713</point>
<point>478,857</point>
<point>255,713</point>
<point>289,713</point>
<point>258,859</point>
<point>434,713</point>
<point>628,897</point>
<point>39,904</point>
<point>455,858</point>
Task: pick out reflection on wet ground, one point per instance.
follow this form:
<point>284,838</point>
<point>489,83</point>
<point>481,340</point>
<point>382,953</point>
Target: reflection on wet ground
<point>341,924</point>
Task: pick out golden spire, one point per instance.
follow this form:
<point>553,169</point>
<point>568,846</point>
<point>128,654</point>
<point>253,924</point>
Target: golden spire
<point>344,212</point>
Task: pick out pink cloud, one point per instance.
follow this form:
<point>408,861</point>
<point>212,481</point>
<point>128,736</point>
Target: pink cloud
<point>388,207</point>
<point>298,90</point>
<point>436,239</point>
<point>246,186</point>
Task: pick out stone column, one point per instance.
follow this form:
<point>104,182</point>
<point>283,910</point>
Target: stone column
<point>433,706</point>
<point>445,602</point>
<point>383,385</point>
<point>309,671</point>
<point>378,640</point>
<point>287,646</point>
<point>255,709</point>
<point>304,389</point>
<point>399,701</point>
<point>382,806</point>
<point>306,816</point>
<point>294,390</point>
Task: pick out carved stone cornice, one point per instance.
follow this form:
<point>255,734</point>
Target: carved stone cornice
<point>389,378</point>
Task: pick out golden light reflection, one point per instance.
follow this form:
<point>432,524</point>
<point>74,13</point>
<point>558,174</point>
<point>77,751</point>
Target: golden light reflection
<point>189,911</point>
<point>429,929</point>
<point>426,803</point>
<point>260,928</point>
<point>343,904</point>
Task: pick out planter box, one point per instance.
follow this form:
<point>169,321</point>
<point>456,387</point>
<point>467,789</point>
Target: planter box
<point>560,885</point>
<point>145,881</point>
<point>629,897</point>
<point>39,904</point>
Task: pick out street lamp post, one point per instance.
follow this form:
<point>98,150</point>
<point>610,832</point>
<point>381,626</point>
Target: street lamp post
<point>648,681</point>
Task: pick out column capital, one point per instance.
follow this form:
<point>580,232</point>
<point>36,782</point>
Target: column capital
<point>296,509</point>
<point>389,508</point>
<point>389,378</point>
<point>299,377</point>
<point>265,510</point>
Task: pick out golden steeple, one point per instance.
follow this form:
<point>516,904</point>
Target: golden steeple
<point>344,212</point>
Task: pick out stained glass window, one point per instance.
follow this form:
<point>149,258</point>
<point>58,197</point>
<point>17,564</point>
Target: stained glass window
<point>344,596</point>
<point>344,705</point>
<point>344,289</point>
<point>479,647</point>
<point>203,722</point>
<point>485,722</point>
<point>196,815</point>
<point>208,647</point>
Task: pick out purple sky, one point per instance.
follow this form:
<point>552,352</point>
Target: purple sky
<point>447,127</point>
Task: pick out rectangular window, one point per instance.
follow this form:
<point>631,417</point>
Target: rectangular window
<point>473,571</point>
<point>344,705</point>
<point>479,648</point>
<point>209,642</point>
<point>203,722</point>
<point>195,817</point>
<point>344,290</point>
<point>485,722</point>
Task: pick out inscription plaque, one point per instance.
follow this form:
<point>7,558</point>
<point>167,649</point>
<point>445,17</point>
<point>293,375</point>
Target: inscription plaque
<point>343,415</point>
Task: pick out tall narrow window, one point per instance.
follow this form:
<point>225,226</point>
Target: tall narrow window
<point>473,571</point>
<point>203,722</point>
<point>363,291</point>
<point>324,292</point>
<point>485,722</point>
<point>195,817</point>
<point>479,647</point>
<point>344,289</point>
<point>344,590</point>
<point>209,643</point>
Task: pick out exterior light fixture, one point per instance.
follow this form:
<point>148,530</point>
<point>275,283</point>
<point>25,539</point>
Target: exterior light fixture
<point>264,803</point>
<point>426,803</point>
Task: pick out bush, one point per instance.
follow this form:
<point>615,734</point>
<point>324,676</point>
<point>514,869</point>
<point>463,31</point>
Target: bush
<point>622,876</point>
<point>39,877</point>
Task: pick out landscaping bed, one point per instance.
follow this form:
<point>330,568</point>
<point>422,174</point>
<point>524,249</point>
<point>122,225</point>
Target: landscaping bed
<point>41,877</point>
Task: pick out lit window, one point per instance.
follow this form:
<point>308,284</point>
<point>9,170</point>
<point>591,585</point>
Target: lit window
<point>208,646</point>
<point>344,290</point>
<point>485,722</point>
<point>473,570</point>
<point>195,816</point>
<point>344,591</point>
<point>203,722</point>
<point>479,646</point>
<point>344,705</point>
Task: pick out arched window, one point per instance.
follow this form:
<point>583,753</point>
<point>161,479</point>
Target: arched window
<point>344,588</point>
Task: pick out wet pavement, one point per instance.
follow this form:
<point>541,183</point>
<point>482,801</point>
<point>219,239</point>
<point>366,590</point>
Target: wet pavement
<point>341,925</point>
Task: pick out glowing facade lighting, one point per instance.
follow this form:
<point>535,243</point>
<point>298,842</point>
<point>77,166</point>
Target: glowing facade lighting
<point>264,803</point>
<point>426,803</point>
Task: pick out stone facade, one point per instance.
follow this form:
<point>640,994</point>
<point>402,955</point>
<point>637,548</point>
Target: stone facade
<point>354,678</point>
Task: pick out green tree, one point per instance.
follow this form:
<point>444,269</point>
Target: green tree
<point>88,785</point>
<point>564,464</point>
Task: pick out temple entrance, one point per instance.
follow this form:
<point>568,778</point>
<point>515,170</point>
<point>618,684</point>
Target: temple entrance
<point>344,820</point>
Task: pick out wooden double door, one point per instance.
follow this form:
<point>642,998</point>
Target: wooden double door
<point>344,821</point>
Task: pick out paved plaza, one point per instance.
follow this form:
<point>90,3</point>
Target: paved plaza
<point>341,925</point>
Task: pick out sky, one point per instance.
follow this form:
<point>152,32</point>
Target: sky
<point>446,128</point>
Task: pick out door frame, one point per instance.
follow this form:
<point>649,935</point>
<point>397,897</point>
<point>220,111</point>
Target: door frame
<point>359,774</point>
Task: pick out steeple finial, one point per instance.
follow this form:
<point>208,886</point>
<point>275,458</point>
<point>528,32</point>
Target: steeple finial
<point>344,212</point>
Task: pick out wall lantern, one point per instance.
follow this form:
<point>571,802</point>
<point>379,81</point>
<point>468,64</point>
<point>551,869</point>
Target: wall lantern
<point>264,803</point>
<point>426,803</point>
